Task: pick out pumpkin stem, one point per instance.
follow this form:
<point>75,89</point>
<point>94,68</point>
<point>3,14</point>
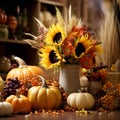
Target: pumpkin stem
<point>44,84</point>
<point>20,61</point>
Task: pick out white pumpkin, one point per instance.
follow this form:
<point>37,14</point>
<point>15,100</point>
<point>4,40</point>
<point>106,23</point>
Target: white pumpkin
<point>5,108</point>
<point>84,81</point>
<point>81,100</point>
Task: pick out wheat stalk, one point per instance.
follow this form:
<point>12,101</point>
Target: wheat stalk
<point>110,39</point>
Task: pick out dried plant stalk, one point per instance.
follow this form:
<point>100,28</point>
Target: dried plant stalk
<point>110,39</point>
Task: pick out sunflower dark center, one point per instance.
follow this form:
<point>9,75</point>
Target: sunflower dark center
<point>53,57</point>
<point>79,49</point>
<point>57,38</point>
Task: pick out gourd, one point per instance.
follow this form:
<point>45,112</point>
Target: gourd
<point>84,83</point>
<point>12,22</point>
<point>21,103</point>
<point>24,72</point>
<point>5,107</point>
<point>3,17</point>
<point>44,97</point>
<point>4,64</point>
<point>81,100</point>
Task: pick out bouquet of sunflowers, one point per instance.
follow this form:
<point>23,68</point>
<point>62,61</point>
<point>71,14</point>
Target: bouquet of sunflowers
<point>66,42</point>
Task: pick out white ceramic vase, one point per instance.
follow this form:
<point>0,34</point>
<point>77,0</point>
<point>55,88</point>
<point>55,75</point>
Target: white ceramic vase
<point>69,77</point>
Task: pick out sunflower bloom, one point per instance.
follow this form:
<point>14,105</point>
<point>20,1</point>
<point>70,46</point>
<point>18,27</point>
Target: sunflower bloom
<point>55,35</point>
<point>82,45</point>
<point>50,58</point>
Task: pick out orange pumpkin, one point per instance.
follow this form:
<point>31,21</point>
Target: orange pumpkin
<point>24,72</point>
<point>20,103</point>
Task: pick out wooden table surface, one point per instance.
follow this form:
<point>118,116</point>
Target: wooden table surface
<point>114,115</point>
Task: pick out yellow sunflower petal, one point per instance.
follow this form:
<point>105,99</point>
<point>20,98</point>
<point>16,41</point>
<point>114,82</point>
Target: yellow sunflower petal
<point>46,61</point>
<point>82,46</point>
<point>55,35</point>
<point>98,48</point>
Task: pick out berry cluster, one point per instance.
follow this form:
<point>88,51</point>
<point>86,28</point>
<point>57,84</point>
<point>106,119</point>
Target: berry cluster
<point>29,82</point>
<point>11,86</point>
<point>110,100</point>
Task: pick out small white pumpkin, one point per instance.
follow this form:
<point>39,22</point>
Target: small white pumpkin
<point>84,81</point>
<point>5,108</point>
<point>81,100</point>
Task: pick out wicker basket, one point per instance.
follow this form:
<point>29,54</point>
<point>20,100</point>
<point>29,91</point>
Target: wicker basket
<point>114,77</point>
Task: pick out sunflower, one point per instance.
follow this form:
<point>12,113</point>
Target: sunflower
<point>50,57</point>
<point>55,35</point>
<point>82,45</point>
